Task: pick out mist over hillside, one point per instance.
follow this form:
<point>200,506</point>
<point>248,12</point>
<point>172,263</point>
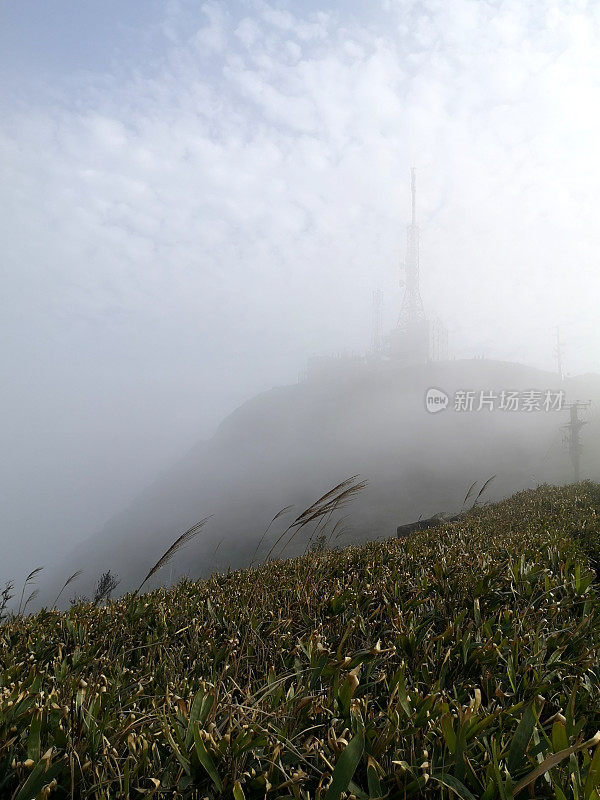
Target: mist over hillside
<point>300,487</point>
<point>291,444</point>
<point>198,197</point>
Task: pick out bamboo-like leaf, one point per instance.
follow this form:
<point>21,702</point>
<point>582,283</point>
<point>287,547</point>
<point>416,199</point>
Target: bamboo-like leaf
<point>199,711</point>
<point>520,742</point>
<point>33,740</point>
<point>205,759</point>
<point>448,733</point>
<point>373,781</point>
<point>560,740</point>
<point>593,775</point>
<point>185,763</point>
<point>554,759</point>
<point>346,692</point>
<point>458,787</point>
<point>238,792</point>
<point>40,775</point>
<point>345,767</point>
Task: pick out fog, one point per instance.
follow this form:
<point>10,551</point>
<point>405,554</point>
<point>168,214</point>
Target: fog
<point>197,198</point>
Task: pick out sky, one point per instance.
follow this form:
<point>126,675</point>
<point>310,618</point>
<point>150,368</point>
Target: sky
<point>199,196</point>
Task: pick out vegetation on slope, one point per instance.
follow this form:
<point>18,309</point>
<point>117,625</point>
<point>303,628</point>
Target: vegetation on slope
<point>462,662</point>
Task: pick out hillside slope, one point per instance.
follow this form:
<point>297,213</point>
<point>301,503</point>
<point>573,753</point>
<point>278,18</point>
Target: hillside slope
<point>290,444</point>
<point>461,662</point>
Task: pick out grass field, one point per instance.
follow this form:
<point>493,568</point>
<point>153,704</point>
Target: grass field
<point>462,662</point>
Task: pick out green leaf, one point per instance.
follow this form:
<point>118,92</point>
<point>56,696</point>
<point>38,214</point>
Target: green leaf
<point>346,692</point>
<point>450,782</point>
<point>399,682</point>
<point>199,711</point>
<point>39,777</point>
<point>354,789</point>
<point>238,792</point>
<point>593,776</point>
<point>560,740</point>
<point>317,670</point>
<point>449,734</point>
<point>520,742</point>
<point>345,767</point>
<point>499,782</point>
<point>196,706</point>
<point>373,781</point>
<point>33,740</point>
<point>552,761</point>
<point>205,759</point>
<point>177,752</point>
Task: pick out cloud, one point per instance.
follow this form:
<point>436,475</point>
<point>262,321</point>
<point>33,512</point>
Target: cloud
<point>186,231</point>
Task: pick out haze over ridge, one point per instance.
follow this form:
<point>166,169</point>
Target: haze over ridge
<point>195,201</point>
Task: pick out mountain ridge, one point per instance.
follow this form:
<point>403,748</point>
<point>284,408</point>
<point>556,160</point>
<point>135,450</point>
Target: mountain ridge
<point>290,444</point>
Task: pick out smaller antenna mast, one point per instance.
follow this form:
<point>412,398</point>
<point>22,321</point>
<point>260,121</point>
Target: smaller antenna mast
<point>573,426</point>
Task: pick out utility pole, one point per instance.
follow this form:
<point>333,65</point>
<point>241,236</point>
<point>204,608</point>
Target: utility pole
<point>558,354</point>
<point>376,337</point>
<point>572,429</point>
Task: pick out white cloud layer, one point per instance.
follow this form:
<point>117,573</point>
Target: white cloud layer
<point>182,231</point>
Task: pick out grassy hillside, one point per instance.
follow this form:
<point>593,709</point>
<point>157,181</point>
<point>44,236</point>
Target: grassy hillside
<point>462,662</point>
<point>284,445</point>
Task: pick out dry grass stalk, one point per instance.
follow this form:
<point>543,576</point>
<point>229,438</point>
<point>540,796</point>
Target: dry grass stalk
<point>69,580</point>
<point>262,538</point>
<point>28,579</point>
<point>333,500</point>
<point>468,494</point>
<point>483,488</point>
<point>182,540</point>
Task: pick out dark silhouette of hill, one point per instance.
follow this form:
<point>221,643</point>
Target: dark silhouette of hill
<point>291,444</point>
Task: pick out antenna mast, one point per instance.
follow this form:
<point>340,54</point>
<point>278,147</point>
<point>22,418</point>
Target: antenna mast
<point>411,311</point>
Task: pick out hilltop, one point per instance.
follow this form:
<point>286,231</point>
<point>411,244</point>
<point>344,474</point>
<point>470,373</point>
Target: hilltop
<point>288,445</point>
<point>462,662</point>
